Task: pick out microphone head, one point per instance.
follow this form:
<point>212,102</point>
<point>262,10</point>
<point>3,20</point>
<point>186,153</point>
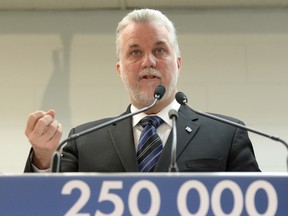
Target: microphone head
<point>159,92</point>
<point>181,98</point>
<point>173,113</point>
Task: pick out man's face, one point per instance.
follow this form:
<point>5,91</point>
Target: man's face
<point>146,60</point>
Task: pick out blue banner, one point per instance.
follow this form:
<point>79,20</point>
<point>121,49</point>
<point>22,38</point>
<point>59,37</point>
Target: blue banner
<point>144,194</point>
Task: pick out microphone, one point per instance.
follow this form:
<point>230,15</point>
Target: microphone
<point>173,114</point>
<point>56,158</point>
<point>182,99</point>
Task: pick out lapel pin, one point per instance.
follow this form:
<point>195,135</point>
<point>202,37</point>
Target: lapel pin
<point>188,129</point>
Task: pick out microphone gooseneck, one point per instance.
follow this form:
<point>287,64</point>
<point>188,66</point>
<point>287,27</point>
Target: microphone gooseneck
<point>173,114</point>
<point>182,99</point>
<point>56,157</point>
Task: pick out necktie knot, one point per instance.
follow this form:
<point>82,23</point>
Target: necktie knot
<point>152,120</point>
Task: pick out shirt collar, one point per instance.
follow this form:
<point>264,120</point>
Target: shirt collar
<point>163,113</point>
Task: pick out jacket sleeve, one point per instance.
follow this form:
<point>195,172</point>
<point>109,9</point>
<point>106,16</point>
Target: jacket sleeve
<point>242,157</point>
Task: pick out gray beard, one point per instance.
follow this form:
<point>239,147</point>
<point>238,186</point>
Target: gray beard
<point>140,97</point>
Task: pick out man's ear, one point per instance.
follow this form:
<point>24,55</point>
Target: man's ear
<point>179,63</point>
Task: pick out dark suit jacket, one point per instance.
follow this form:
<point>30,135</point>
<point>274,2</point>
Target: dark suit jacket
<point>203,145</point>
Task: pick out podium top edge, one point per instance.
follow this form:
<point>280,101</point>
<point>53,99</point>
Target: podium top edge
<point>127,174</point>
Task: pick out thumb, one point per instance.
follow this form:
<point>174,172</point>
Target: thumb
<point>51,112</point>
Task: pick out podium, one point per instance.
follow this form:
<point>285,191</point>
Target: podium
<point>87,194</point>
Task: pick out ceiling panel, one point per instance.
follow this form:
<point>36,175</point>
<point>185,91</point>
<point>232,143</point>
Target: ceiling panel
<point>129,4</point>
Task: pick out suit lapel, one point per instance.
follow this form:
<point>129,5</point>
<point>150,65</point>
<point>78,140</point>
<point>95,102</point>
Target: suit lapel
<point>123,140</point>
<point>186,129</point>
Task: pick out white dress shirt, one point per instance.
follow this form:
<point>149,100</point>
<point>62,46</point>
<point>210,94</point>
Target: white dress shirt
<point>163,130</point>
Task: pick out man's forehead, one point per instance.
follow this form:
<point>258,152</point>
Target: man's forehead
<point>137,34</point>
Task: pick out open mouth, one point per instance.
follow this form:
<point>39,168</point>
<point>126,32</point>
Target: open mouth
<point>149,77</point>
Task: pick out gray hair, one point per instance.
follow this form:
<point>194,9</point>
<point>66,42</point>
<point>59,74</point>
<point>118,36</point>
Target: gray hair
<point>142,16</point>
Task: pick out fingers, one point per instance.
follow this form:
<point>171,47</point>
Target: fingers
<point>43,124</point>
<point>41,128</point>
<point>57,135</point>
<point>51,113</point>
<point>50,130</point>
<point>48,141</point>
<point>34,118</point>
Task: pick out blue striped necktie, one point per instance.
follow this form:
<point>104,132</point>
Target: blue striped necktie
<point>150,145</point>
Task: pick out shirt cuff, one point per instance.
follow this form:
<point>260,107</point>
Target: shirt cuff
<point>35,169</point>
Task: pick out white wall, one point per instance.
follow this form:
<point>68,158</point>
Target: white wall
<point>234,63</point>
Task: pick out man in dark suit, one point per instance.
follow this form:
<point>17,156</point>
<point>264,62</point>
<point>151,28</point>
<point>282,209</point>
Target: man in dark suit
<point>148,56</point>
